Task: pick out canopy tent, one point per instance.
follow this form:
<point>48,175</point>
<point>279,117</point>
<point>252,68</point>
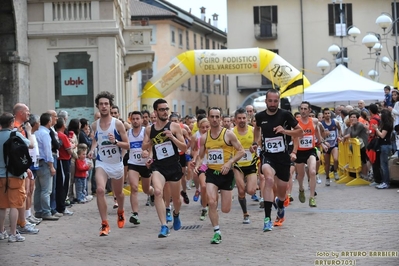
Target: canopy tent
<point>341,86</point>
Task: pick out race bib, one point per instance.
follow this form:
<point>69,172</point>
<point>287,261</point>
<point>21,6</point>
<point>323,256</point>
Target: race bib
<point>164,150</point>
<point>274,145</point>
<point>215,156</point>
<point>306,142</point>
<point>331,136</point>
<point>247,156</point>
<point>135,157</point>
<point>109,154</point>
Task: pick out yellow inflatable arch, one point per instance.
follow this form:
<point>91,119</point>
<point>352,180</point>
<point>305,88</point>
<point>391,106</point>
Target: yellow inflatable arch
<point>230,61</point>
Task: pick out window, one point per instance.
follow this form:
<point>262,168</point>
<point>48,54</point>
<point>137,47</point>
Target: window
<point>187,40</point>
<point>189,84</point>
<point>202,42</point>
<point>153,39</point>
<point>207,43</point>
<point>195,41</point>
<point>203,83</point>
<point>208,84</point>
<point>190,111</point>
<point>213,45</point>
<point>196,83</point>
<point>265,22</point>
<point>146,75</point>
<point>335,28</point>
<point>183,111</point>
<point>180,38</point>
<point>172,35</point>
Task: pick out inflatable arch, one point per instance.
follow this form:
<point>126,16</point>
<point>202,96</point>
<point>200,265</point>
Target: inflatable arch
<point>230,61</point>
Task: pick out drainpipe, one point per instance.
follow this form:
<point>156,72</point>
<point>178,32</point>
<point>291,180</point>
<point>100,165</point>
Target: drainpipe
<point>302,39</point>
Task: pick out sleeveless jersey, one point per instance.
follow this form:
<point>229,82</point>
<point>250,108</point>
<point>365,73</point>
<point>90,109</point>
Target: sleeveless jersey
<point>246,142</point>
<point>218,151</point>
<point>135,143</point>
<point>163,149</point>
<point>107,152</point>
<point>307,142</point>
<point>272,143</point>
<point>332,137</point>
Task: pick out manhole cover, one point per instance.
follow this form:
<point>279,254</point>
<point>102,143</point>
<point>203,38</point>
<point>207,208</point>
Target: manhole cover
<point>191,227</point>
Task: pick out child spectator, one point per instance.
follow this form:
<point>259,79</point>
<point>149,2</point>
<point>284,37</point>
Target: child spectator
<point>388,97</point>
<point>81,172</point>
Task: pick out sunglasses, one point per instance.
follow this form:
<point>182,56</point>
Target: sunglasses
<point>164,109</point>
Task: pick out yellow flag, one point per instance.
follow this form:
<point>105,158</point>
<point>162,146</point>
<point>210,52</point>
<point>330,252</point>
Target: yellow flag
<point>395,75</point>
<point>361,73</point>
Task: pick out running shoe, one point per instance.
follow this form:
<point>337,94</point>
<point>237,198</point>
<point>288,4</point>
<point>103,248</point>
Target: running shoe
<point>382,186</point>
<point>204,213</point>
<point>254,197</point>
<point>134,219</point>
<point>217,238</point>
<point>261,203</point>
<point>318,179</point>
<point>104,230</point>
<point>33,220</point>
<point>164,231</point>
<point>302,197</point>
<point>196,195</point>
<point>188,185</point>
<point>148,201</point>
<point>246,219</point>
<point>312,202</point>
<point>286,201</point>
<point>291,198</point>
<point>152,200</point>
<point>176,222</point>
<point>27,230</point>
<point>16,238</point>
<point>336,176</point>
<point>168,216</point>
<point>185,197</point>
<point>3,235</point>
<point>279,221</point>
<point>328,181</point>
<point>373,184</point>
<point>121,219</point>
<point>267,224</point>
<point>115,205</point>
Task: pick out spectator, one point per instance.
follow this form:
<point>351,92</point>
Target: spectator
<point>73,133</point>
<point>387,97</point>
<point>14,196</point>
<point>81,174</point>
<point>362,106</point>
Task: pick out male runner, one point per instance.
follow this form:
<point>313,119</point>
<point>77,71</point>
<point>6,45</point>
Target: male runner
<point>109,140</point>
<point>273,125</point>
<point>219,144</point>
<point>165,138</point>
<point>245,171</point>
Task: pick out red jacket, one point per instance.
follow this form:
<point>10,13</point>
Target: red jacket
<point>81,168</point>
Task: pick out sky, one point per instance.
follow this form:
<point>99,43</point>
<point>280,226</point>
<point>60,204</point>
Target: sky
<point>212,6</point>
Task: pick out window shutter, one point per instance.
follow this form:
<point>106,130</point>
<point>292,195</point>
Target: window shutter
<point>274,14</point>
<point>256,15</point>
<point>331,24</point>
<point>349,20</point>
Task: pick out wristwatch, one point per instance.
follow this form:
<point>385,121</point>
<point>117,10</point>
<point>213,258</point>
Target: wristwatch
<point>115,142</point>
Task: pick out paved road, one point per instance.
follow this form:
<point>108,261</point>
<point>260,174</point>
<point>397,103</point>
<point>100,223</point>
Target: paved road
<point>347,219</point>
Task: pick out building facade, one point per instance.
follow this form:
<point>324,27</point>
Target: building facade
<point>175,31</point>
<point>60,54</point>
<point>301,32</point>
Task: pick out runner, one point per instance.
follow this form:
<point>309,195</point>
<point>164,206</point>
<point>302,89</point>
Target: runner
<point>137,165</point>
<point>165,138</point>
<point>332,135</point>
<point>273,125</point>
<point>306,153</point>
<point>245,171</point>
<point>109,140</point>
<point>219,144</point>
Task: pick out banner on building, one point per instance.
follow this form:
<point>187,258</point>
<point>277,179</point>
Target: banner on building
<point>73,82</point>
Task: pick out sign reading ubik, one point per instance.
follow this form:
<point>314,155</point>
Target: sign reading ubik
<point>73,82</point>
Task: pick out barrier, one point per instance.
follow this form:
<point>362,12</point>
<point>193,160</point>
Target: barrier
<point>351,151</point>
<point>227,61</point>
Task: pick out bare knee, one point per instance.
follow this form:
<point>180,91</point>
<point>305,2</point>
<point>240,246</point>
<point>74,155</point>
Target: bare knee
<point>100,191</point>
<point>158,193</point>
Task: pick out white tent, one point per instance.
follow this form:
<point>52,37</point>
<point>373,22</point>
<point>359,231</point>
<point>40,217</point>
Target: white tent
<point>341,86</point>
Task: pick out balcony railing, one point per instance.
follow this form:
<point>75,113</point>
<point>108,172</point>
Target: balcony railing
<point>72,11</point>
<point>266,31</point>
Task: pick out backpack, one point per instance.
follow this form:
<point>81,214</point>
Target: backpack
<point>16,156</point>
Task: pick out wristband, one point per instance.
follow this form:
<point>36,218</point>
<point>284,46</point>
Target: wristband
<point>254,143</point>
<point>294,152</point>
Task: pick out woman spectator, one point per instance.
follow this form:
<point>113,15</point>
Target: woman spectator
<point>359,131</point>
<point>384,131</point>
<point>73,133</point>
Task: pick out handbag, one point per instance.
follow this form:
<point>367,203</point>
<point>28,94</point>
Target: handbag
<point>374,144</point>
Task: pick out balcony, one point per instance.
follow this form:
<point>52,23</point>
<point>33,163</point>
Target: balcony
<point>265,31</point>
